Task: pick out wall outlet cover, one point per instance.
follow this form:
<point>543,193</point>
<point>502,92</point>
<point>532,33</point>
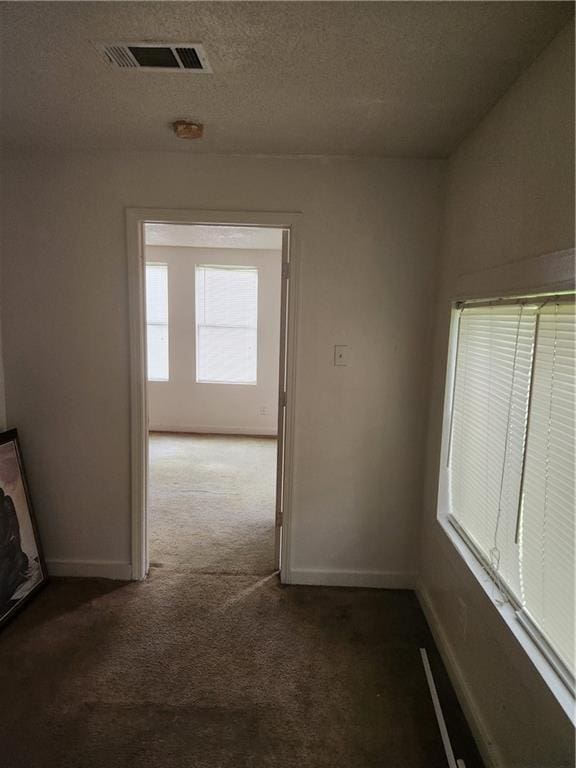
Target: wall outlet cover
<point>341,354</point>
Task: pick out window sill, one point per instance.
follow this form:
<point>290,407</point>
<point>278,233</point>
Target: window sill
<point>507,614</point>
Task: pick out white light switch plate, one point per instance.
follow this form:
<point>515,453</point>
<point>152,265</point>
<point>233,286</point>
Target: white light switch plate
<point>341,354</point>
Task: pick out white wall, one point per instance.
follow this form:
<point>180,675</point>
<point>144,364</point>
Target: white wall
<point>184,404</point>
<point>369,235</point>
<point>510,199</point>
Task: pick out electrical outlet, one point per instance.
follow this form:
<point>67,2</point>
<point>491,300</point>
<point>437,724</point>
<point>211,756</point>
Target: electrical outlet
<point>341,354</point>
<point>263,411</point>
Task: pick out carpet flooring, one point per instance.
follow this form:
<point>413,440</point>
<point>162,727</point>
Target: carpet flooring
<point>211,503</point>
<point>201,671</point>
<point>210,664</point>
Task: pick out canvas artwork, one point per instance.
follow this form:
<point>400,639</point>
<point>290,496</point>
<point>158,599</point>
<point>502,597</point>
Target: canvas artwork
<point>22,568</point>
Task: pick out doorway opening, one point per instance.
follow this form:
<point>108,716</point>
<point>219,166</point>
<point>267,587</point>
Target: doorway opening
<point>211,426</point>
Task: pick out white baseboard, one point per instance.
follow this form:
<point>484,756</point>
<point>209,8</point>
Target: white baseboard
<point>486,746</point>
<point>103,569</point>
<point>253,431</point>
<point>375,579</point>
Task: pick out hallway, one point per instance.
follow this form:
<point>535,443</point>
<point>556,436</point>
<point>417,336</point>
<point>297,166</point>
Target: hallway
<point>212,503</point>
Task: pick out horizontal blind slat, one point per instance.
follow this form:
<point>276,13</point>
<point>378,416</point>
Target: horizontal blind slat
<point>157,342</point>
<point>547,533</point>
<point>227,323</point>
<point>493,368</point>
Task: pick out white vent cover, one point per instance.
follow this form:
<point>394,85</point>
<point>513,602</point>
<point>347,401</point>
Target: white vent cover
<point>155,57</point>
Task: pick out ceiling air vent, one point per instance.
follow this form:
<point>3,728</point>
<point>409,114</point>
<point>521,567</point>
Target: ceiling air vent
<point>155,57</point>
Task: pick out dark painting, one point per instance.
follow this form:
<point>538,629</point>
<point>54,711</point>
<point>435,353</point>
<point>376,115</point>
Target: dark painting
<point>22,569</point>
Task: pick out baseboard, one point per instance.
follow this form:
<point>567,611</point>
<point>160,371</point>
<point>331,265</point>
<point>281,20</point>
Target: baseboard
<point>251,431</point>
<point>374,579</point>
<point>102,569</point>
<point>486,746</point>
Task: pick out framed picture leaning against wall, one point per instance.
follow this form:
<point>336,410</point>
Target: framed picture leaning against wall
<point>22,568</point>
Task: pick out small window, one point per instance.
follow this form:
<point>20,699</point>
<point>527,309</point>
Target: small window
<point>511,459</point>
<point>157,321</point>
<point>226,324</point>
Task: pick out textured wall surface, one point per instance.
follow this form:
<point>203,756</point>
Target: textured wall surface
<point>510,198</point>
<point>369,235</point>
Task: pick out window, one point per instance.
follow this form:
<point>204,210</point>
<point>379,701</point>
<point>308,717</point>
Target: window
<point>226,324</point>
<point>157,321</point>
<point>511,458</point>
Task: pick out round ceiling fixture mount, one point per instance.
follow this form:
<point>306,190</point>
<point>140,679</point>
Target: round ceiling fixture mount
<point>188,129</point>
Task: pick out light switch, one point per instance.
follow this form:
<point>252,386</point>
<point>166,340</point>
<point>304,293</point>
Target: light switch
<point>341,354</point>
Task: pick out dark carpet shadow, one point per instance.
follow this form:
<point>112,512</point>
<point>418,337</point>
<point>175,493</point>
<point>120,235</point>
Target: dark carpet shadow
<point>59,597</point>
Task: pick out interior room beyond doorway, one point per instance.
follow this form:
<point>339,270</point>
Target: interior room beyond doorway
<point>213,306</point>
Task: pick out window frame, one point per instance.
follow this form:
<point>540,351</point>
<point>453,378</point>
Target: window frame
<point>197,325</point>
<point>509,610</point>
<point>166,324</point>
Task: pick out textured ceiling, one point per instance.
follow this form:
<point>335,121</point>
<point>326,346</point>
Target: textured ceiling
<point>375,78</point>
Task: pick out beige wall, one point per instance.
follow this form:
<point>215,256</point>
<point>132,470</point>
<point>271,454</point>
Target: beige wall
<point>510,199</point>
<point>369,235</point>
<point>184,404</point>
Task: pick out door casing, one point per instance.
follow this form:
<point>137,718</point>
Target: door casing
<point>136,218</point>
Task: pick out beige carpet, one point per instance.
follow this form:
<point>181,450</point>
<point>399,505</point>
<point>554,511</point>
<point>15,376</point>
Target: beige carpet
<point>196,669</point>
<point>211,503</point>
<point>200,671</point>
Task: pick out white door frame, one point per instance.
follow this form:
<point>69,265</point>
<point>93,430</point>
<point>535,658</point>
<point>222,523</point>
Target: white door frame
<point>135,220</point>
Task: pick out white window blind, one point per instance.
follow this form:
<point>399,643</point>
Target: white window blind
<point>157,321</point>
<point>546,532</point>
<point>511,458</point>
<point>226,324</point>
